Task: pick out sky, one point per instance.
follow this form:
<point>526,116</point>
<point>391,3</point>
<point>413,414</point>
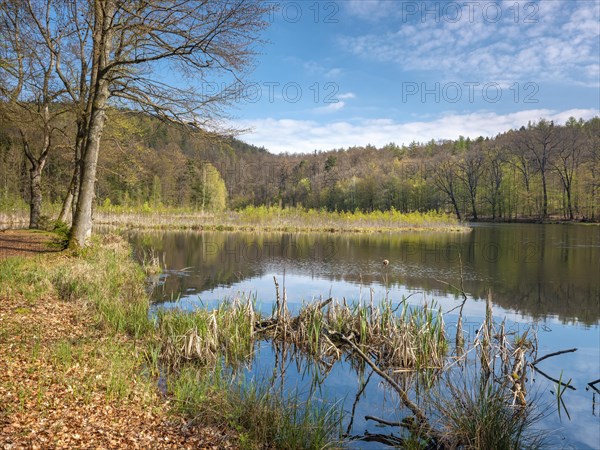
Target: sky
<point>336,74</point>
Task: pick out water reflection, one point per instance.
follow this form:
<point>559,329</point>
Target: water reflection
<point>538,270</point>
<point>535,272</point>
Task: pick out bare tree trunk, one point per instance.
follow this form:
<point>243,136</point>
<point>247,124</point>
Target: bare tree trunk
<point>99,93</point>
<point>570,204</point>
<point>35,178</point>
<point>456,209</point>
<point>545,197</point>
<point>35,202</point>
<point>473,207</point>
<point>82,222</point>
<point>65,211</point>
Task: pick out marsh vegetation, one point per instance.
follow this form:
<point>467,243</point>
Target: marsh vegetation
<point>451,392</point>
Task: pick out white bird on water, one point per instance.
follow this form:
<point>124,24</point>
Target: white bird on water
<point>385,262</point>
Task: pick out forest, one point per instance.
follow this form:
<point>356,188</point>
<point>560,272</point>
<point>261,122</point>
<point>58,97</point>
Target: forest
<point>541,171</point>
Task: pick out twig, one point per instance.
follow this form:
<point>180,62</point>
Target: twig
<point>552,379</point>
<point>592,383</point>
<point>554,354</point>
<point>384,422</point>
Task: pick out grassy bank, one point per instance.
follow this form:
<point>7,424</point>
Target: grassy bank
<point>262,218</point>
<point>83,361</point>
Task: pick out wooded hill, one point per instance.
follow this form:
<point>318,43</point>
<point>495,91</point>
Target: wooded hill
<point>543,170</point>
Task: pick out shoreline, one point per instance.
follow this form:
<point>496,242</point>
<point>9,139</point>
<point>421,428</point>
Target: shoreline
<point>82,355</point>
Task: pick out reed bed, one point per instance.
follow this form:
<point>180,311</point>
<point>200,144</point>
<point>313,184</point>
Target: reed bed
<point>206,336</point>
<point>482,400</point>
<point>397,338</point>
<point>262,218</point>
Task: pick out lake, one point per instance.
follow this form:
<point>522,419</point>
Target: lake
<point>546,276</point>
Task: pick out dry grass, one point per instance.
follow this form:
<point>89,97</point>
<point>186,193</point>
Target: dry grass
<point>262,218</point>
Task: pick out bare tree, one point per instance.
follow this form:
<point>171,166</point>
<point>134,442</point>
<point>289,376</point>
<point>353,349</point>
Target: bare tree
<point>444,169</point>
<point>568,158</point>
<point>470,169</point>
<point>521,160</point>
<point>31,98</point>
<point>541,141</point>
<point>494,170</point>
<point>154,56</point>
<point>592,158</point>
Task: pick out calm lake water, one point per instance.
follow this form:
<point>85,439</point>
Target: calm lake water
<point>547,276</point>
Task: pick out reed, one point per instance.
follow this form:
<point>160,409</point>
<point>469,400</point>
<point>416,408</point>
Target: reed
<point>207,335</point>
<point>263,218</point>
<point>478,414</point>
<point>397,337</point>
<point>262,418</point>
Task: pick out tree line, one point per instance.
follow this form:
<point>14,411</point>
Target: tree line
<point>540,171</point>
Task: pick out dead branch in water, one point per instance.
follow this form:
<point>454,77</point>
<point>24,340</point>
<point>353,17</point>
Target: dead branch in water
<point>553,354</point>
<point>592,383</point>
<point>422,419</point>
<point>560,383</point>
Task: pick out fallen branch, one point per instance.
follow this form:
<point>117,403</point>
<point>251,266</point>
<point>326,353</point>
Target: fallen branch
<point>592,383</point>
<point>401,392</point>
<point>560,383</point>
<point>384,422</point>
<point>553,354</point>
<point>386,439</point>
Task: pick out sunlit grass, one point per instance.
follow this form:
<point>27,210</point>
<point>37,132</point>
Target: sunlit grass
<point>278,219</point>
<point>261,418</point>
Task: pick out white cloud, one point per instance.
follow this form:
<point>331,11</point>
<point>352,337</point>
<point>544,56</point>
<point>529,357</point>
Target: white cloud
<point>316,69</point>
<point>335,106</point>
<point>558,42</point>
<point>347,95</point>
<point>336,72</point>
<point>331,107</point>
<point>286,135</point>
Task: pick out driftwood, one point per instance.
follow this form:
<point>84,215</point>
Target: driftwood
<point>384,422</point>
<point>553,354</point>
<point>391,440</point>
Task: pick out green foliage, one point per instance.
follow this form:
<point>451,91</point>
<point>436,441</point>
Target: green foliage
<point>63,231</point>
<point>479,415</point>
<point>262,419</point>
<point>147,165</point>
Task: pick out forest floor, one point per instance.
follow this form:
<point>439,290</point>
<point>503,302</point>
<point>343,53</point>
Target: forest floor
<point>59,387</point>
<point>26,243</point>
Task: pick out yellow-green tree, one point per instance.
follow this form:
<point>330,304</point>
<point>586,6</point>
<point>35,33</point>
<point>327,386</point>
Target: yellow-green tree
<point>214,192</point>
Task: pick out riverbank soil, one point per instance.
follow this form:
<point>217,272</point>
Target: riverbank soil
<point>67,383</point>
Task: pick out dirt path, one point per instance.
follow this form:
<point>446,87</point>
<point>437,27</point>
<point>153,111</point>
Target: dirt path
<point>26,243</point>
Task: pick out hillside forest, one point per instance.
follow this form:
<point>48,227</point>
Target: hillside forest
<point>543,170</point>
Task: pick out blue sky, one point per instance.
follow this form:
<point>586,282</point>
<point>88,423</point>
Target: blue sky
<point>354,72</point>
